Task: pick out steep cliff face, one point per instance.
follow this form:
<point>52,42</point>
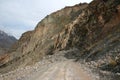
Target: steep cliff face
<point>92,25</point>
<point>92,28</point>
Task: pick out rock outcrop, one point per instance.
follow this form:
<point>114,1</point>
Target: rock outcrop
<point>92,28</point>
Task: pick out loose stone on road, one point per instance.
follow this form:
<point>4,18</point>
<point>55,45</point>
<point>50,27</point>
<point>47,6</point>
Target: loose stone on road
<point>62,70</point>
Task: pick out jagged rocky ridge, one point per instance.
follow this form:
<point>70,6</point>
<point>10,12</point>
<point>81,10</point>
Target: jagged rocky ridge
<point>92,28</point>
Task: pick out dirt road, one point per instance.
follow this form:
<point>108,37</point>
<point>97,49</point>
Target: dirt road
<point>66,70</point>
<point>61,71</point>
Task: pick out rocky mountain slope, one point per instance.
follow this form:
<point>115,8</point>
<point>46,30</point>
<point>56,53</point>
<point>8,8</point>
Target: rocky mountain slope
<point>94,29</point>
<point>33,45</point>
<point>6,41</point>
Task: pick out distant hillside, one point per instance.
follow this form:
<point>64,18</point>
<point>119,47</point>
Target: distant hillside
<point>6,41</point>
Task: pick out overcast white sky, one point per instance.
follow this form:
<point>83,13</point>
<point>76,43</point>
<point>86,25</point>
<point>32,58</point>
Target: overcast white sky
<point>18,16</point>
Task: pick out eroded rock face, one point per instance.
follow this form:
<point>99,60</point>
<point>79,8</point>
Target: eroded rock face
<point>92,28</point>
<point>96,32</point>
